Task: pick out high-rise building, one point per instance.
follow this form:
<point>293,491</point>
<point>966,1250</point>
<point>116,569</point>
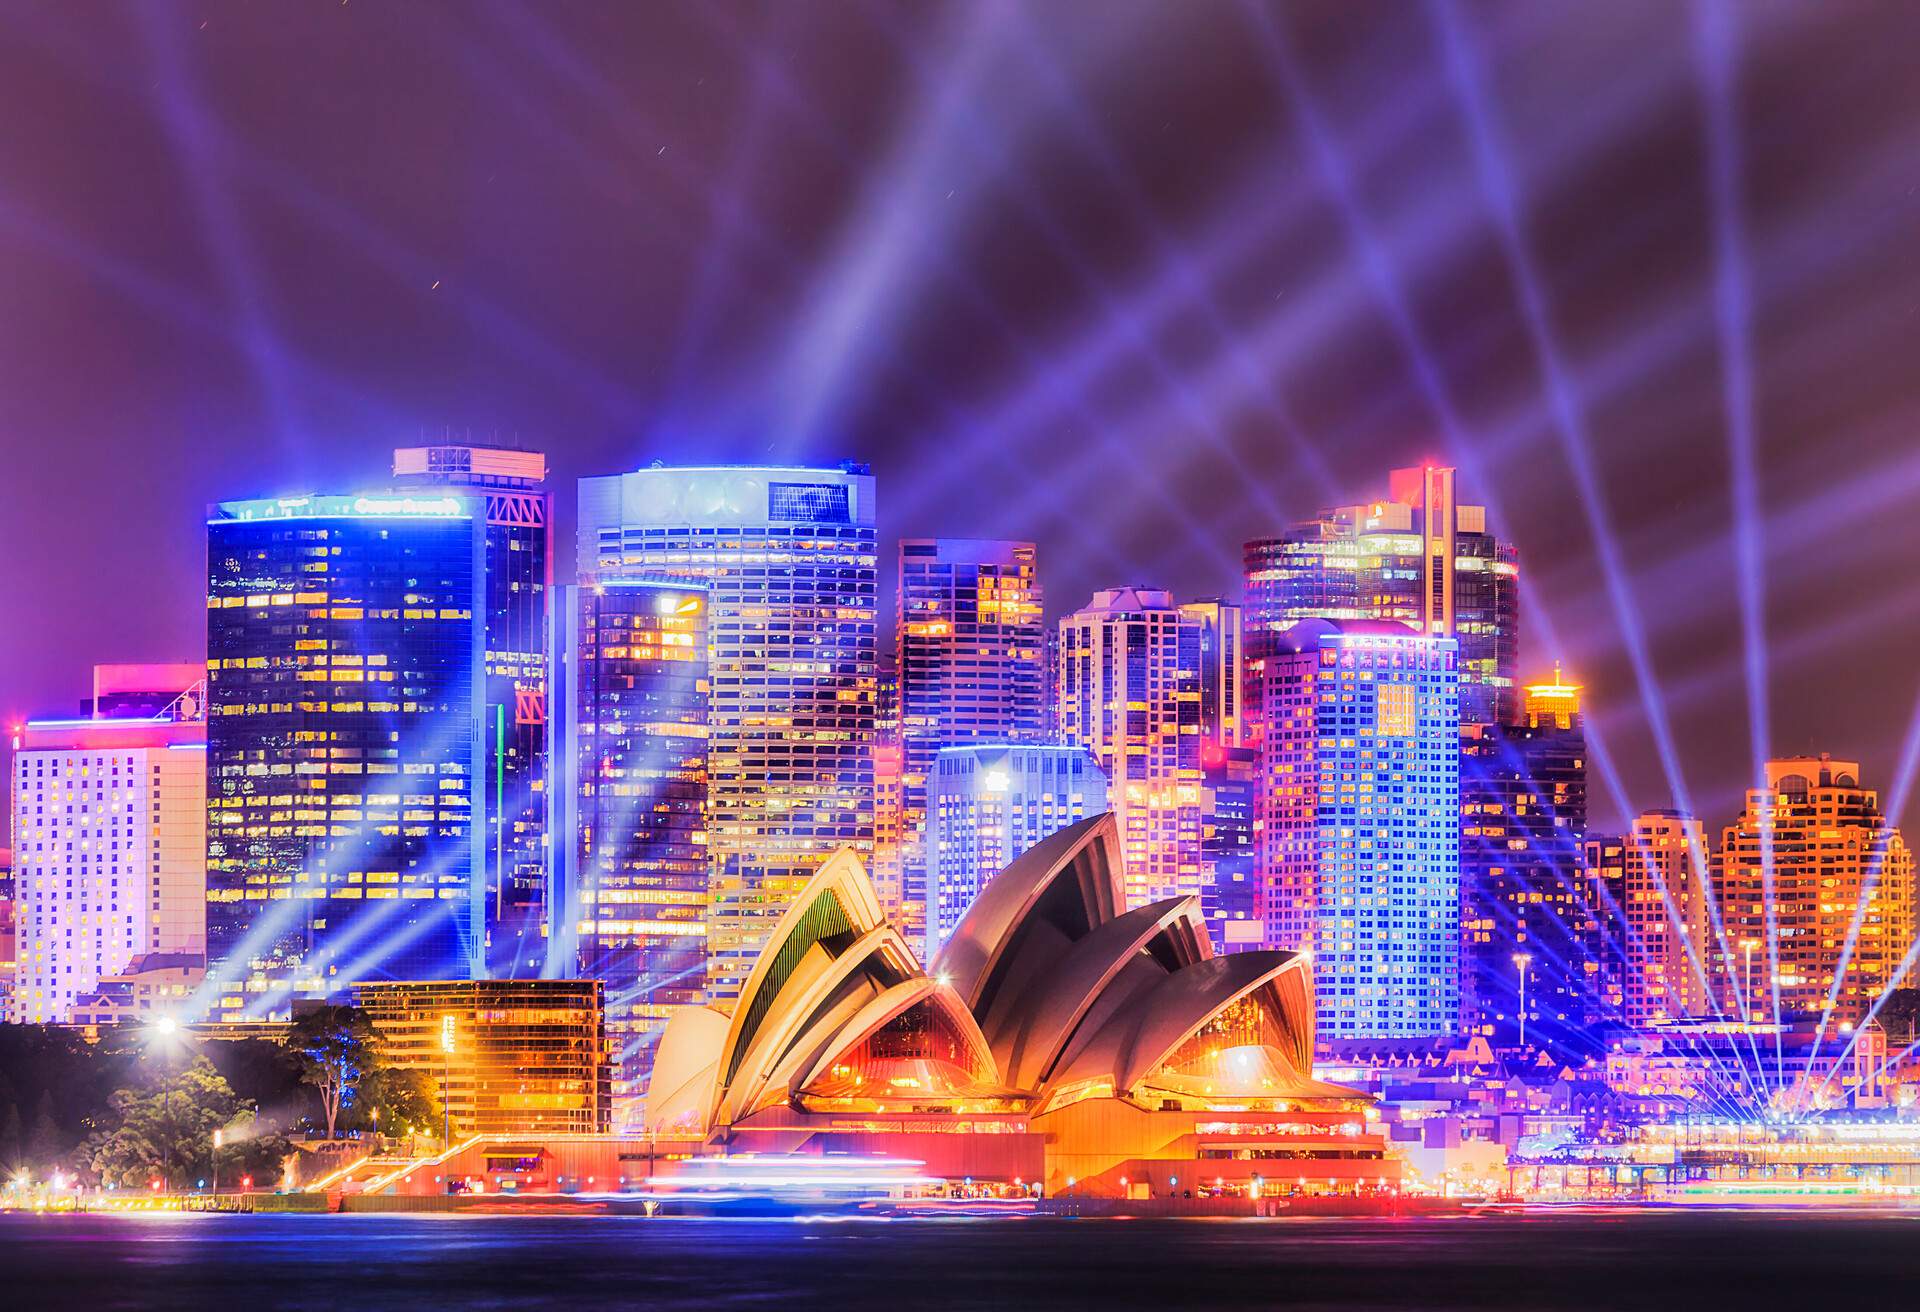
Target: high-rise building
<point>1282,723</point>
<point>970,669</point>
<point>346,652</point>
<point>1229,783</point>
<point>1604,860</point>
<point>510,487</point>
<point>109,836</point>
<point>1414,556</point>
<point>889,824</point>
<point>1526,919</point>
<point>1222,670</point>
<point>1357,725</point>
<point>631,898</point>
<point>1669,940</point>
<point>988,803</point>
<point>1229,850</point>
<point>1129,669</point>
<point>1837,926</point>
<point>788,556</point>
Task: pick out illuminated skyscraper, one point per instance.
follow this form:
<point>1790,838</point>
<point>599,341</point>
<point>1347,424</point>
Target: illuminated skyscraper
<point>1842,890</point>
<point>1222,670</point>
<point>1524,900</point>
<point>1229,783</point>
<point>1229,847</point>
<point>345,677</point>
<point>788,556</point>
<point>109,830</point>
<point>1129,670</point>
<point>1357,726</point>
<point>631,789</point>
<point>1669,935</point>
<point>519,571</point>
<point>970,669</point>
<point>889,819</point>
<point>987,804</point>
<point>1604,860</point>
<point>1282,727</point>
<point>1415,557</point>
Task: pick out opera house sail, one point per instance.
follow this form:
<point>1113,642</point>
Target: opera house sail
<point>1060,1038</point>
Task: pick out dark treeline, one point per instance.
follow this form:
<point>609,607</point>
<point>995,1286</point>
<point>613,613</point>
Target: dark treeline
<point>132,1108</point>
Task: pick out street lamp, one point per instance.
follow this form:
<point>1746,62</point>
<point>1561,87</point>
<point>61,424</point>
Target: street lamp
<point>219,1137</point>
<point>1522,960</point>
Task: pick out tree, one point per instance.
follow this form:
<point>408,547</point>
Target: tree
<point>46,1144</point>
<point>396,1100</point>
<point>12,1138</point>
<point>335,1046</point>
<point>166,1127</point>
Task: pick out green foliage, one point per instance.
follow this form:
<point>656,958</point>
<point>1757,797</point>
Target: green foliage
<point>405,1101</point>
<point>54,1091</point>
<point>336,1048</point>
<point>164,1129</point>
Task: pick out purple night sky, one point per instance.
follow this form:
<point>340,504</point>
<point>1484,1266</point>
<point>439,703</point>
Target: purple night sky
<point>1137,280</point>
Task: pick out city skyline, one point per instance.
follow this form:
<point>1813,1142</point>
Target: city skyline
<point>1293,391</point>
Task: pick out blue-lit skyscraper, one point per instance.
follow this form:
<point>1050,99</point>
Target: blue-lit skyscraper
<point>788,556</point>
<point>630,788</point>
<point>969,668</point>
<point>1358,728</point>
<point>510,487</point>
<point>1525,904</point>
<point>345,676</point>
<point>988,803</point>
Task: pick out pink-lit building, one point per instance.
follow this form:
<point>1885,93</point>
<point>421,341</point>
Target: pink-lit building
<point>109,836</point>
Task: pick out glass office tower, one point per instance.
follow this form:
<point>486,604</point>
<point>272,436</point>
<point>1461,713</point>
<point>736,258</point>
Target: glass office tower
<point>788,557</point>
<point>510,486</point>
<point>1129,671</point>
<point>970,669</point>
<point>1526,910</point>
<point>1415,557</point>
<point>631,788</point>
<point>987,804</point>
<point>345,676</point>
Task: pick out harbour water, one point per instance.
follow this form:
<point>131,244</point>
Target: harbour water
<point>1629,1258</point>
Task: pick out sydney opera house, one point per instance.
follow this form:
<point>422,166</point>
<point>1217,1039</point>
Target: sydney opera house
<point>1058,1038</point>
<point>1061,1043</point>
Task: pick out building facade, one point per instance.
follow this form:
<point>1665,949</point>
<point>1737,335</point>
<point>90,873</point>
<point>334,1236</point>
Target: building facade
<point>1386,945</point>
<point>1222,669</point>
<point>1604,863</point>
<point>1415,557</point>
<point>1356,728</point>
<point>1669,938</point>
<point>1229,847</point>
<point>788,556</point>
<point>970,668</point>
<point>1129,690</point>
<point>987,804</point>
<point>632,893</point>
<point>1835,927</point>
<point>510,487</point>
<point>507,1057</point>
<point>109,839</point>
<point>1526,919</point>
<point>346,650</point>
